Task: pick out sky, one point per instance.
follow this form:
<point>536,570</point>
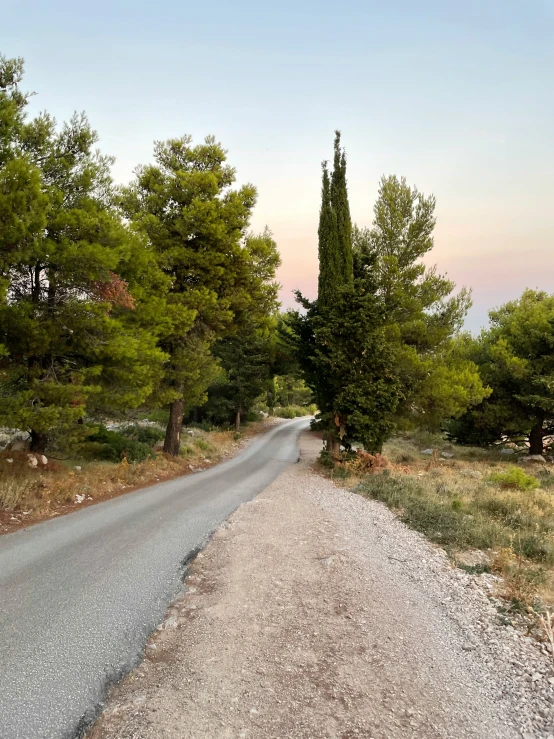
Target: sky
<point>456,97</point>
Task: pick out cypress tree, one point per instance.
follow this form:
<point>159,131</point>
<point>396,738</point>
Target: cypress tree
<point>329,264</point>
<point>341,209</point>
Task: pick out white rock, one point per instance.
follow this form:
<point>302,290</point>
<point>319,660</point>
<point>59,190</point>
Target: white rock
<point>42,459</point>
<point>9,461</point>
<point>79,498</point>
<point>507,451</point>
<point>32,461</point>
<point>447,455</point>
<point>427,451</point>
<point>78,468</point>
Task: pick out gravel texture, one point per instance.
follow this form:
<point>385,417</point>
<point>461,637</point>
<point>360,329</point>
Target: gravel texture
<point>315,613</point>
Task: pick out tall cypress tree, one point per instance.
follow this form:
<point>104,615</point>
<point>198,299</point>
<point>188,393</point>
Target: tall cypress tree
<point>341,210</point>
<point>335,231</point>
<point>329,263</point>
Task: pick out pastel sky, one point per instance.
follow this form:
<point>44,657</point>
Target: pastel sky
<point>456,96</point>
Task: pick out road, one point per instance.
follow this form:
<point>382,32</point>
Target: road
<point>80,594</point>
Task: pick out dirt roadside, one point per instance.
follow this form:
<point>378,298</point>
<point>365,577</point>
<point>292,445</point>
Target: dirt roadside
<point>314,613</point>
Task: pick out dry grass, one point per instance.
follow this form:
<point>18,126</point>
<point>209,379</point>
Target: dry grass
<point>471,501</point>
<point>30,494</point>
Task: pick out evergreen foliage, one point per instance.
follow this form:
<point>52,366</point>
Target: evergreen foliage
<point>515,356</point>
<point>63,307</point>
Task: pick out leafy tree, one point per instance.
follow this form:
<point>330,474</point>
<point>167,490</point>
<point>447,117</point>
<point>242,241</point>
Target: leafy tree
<point>64,306</point>
<point>423,314</point>
<point>515,356</point>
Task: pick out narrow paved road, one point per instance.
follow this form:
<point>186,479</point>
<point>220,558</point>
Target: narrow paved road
<point>80,594</point>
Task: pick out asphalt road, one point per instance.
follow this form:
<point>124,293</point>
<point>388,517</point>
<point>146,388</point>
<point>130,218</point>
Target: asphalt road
<point>80,594</point>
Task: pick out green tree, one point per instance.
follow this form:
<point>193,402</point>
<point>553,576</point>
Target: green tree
<point>245,357</point>
<point>197,226</point>
<point>335,230</point>
<point>515,356</point>
<point>64,305</point>
<point>423,313</point>
<point>341,338</point>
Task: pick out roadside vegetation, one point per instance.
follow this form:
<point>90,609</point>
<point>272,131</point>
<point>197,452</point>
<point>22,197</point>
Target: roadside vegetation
<point>491,511</point>
<point>116,462</point>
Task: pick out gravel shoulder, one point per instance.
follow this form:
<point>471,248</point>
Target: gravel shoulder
<point>315,613</point>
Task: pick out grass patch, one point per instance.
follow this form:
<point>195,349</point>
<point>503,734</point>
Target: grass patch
<point>514,477</point>
<point>472,499</point>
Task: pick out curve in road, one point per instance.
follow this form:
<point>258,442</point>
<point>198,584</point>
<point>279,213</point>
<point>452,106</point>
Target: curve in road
<point>79,595</point>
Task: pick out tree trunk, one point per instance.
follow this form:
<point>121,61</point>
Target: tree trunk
<point>333,445</point>
<point>536,438</point>
<point>38,442</point>
<point>237,421</point>
<point>172,441</point>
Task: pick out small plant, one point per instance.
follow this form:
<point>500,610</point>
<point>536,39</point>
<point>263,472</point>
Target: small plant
<point>514,478</point>
<point>114,447</point>
<point>202,444</point>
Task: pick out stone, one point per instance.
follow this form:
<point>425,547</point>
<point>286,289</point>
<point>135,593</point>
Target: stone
<point>507,451</point>
<point>534,458</point>
<point>19,445</point>
<point>429,452</point>
<point>79,498</point>
<point>78,468</point>
<point>447,455</point>
<point>42,459</point>
<point>9,461</point>
<point>32,461</point>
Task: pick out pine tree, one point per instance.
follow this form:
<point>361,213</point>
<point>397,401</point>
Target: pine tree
<point>63,303</point>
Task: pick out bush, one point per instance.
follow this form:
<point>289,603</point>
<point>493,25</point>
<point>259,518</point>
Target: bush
<point>114,446</point>
<point>202,444</point>
<point>514,478</point>
<point>293,411</point>
<point>253,416</point>
<point>145,434</point>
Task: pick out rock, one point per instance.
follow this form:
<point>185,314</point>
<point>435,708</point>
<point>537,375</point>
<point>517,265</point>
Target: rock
<point>32,461</point>
<point>20,445</point>
<point>78,468</point>
<point>507,451</point>
<point>9,461</point>
<point>42,459</point>
<point>534,458</point>
<point>79,498</point>
<point>447,455</point>
<point>429,452</point>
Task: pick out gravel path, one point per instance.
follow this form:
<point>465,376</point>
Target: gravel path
<point>315,613</point>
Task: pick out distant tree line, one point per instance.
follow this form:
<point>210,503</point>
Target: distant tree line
<point>157,295</point>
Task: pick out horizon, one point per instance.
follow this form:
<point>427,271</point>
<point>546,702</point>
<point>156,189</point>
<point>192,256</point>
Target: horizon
<point>457,100</point>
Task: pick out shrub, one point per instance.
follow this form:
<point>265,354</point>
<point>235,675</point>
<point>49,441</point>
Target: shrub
<point>145,434</point>
<point>202,444</point>
<point>114,446</point>
<point>515,478</point>
<point>253,416</point>
<point>293,411</point>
